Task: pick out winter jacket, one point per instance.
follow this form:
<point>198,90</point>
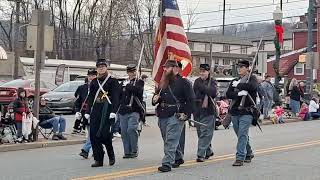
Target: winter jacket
<point>45,113</point>
<point>296,93</point>
<point>20,106</point>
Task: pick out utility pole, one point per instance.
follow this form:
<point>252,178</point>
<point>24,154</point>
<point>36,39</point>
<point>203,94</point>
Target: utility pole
<point>15,39</point>
<point>39,59</point>
<point>224,16</point>
<point>311,21</point>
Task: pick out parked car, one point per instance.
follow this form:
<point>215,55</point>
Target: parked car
<point>2,82</point>
<point>8,90</point>
<point>61,99</point>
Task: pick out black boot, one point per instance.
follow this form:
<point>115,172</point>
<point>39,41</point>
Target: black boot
<point>200,159</point>
<point>164,168</point>
<point>126,156</point>
<point>238,163</point>
<point>84,154</point>
<point>209,155</point>
<point>177,163</point>
<point>249,158</point>
<point>134,155</point>
<point>112,161</point>
<point>97,164</point>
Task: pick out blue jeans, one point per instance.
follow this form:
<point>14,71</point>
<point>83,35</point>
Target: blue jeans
<point>87,146</point>
<point>129,132</point>
<point>267,105</point>
<point>58,124</point>
<point>171,129</point>
<point>116,126</point>
<point>19,129</point>
<point>241,125</point>
<point>295,106</point>
<point>182,141</point>
<point>205,135</point>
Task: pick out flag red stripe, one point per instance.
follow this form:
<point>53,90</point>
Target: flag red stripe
<point>177,37</point>
<point>174,21</point>
<point>179,52</point>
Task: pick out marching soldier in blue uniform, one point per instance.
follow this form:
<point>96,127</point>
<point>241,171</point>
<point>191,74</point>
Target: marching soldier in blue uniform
<point>81,104</point>
<point>205,89</point>
<point>242,117</point>
<point>131,109</point>
<point>103,103</point>
<point>174,100</point>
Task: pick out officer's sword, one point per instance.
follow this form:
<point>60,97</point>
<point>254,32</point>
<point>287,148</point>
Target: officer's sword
<point>196,122</point>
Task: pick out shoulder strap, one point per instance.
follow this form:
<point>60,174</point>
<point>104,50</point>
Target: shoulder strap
<point>98,91</point>
<point>174,97</point>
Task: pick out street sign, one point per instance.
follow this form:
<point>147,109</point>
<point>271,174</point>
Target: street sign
<point>32,38</point>
<point>302,58</point>
<point>60,74</point>
<point>32,29</point>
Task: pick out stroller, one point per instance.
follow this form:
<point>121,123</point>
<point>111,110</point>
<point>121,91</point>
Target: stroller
<point>223,107</point>
<point>8,131</point>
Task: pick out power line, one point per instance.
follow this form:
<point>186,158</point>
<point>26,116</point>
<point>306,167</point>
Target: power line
<point>248,22</point>
<point>242,8</point>
<point>247,15</point>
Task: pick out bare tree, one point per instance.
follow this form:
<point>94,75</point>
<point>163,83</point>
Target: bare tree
<point>191,16</point>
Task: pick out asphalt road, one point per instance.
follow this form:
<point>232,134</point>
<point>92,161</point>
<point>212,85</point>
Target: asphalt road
<point>286,151</point>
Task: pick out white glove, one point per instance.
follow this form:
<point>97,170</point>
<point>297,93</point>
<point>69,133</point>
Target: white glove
<point>87,116</point>
<point>78,115</point>
<point>126,82</point>
<point>235,83</point>
<point>112,116</point>
<point>243,93</point>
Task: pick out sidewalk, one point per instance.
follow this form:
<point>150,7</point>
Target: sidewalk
<point>43,143</point>
<point>78,139</point>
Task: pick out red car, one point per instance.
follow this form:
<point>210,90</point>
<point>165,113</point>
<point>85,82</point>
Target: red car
<point>8,90</point>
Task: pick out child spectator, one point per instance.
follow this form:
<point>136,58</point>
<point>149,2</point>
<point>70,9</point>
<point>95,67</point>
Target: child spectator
<point>279,111</point>
<point>303,114</point>
<point>20,109</point>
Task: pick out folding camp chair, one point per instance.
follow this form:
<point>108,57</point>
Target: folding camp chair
<point>46,130</point>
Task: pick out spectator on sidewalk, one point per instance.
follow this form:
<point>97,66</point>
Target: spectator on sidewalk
<point>268,96</point>
<point>48,118</point>
<point>313,109</point>
<point>316,87</point>
<point>261,93</point>
<point>279,111</point>
<point>303,114</point>
<point>296,93</point>
<point>20,109</point>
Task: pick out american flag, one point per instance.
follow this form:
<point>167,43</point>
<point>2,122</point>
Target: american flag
<point>171,40</point>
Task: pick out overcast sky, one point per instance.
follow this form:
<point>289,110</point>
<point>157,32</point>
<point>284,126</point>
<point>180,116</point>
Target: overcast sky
<point>292,8</point>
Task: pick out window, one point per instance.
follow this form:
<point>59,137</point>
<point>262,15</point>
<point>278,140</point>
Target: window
<point>207,47</point>
<point>299,69</point>
<point>262,45</point>
<point>191,45</point>
<point>243,50</point>
<point>226,48</point>
<point>226,61</point>
<point>216,61</point>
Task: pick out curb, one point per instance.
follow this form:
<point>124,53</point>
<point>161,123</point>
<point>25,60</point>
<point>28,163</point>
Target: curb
<point>269,122</point>
<point>36,145</point>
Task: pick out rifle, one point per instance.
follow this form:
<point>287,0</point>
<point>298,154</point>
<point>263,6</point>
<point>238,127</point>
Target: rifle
<point>243,100</point>
<point>137,75</point>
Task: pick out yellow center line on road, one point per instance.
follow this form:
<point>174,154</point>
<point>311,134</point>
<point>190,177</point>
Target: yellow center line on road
<point>153,169</point>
